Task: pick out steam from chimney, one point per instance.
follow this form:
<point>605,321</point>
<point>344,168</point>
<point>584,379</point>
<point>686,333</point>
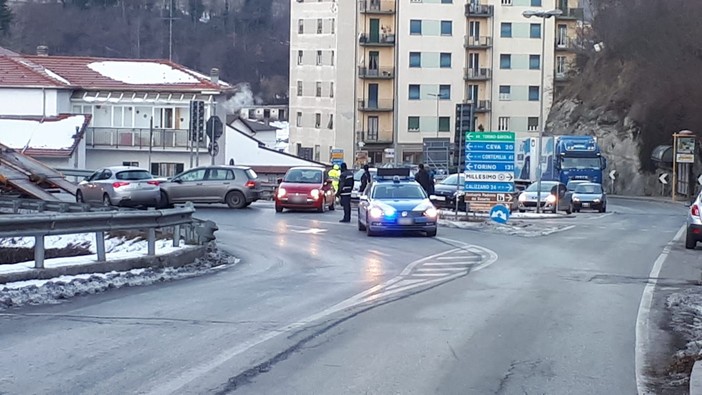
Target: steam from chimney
<point>42,50</point>
<point>243,98</point>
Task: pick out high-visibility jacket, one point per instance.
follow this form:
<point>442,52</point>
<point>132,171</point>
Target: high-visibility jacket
<point>334,174</point>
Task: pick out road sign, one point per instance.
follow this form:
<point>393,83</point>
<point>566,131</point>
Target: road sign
<point>489,157</point>
<point>490,176</point>
<point>503,187</point>
<point>213,148</point>
<point>214,126</point>
<point>500,214</point>
<point>488,197</point>
<point>612,175</point>
<point>507,137</point>
<point>337,156</point>
<point>489,162</point>
<point>663,178</point>
<point>685,158</point>
<point>489,147</point>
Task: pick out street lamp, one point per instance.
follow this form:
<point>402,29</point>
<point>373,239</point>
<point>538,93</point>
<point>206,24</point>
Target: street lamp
<point>438,97</point>
<point>543,15</point>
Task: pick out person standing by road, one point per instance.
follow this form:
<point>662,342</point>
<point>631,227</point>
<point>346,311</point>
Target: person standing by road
<point>334,174</point>
<point>365,179</point>
<point>425,180</point>
<point>344,192</point>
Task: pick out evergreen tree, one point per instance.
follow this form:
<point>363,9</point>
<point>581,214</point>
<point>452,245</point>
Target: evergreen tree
<point>5,18</point>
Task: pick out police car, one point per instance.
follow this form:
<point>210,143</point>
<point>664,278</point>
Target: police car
<point>395,202</point>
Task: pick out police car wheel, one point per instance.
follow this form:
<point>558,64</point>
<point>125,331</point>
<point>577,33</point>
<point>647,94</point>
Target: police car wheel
<point>431,233</point>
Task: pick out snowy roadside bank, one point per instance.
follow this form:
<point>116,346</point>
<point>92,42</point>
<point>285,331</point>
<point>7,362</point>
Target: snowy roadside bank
<point>59,288</point>
<point>513,228</point>
<point>463,216</point>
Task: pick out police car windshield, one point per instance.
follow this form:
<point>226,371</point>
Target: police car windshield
<point>301,176</point>
<point>398,191</point>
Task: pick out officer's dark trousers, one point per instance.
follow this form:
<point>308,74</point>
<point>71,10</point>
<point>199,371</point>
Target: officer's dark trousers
<point>346,204</point>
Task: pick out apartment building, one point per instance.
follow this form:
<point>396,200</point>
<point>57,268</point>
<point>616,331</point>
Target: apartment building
<point>322,76</point>
<point>416,60</point>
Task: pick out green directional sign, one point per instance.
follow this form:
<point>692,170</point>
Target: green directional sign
<point>490,136</point>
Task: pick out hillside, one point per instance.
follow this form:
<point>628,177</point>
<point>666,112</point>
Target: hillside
<point>640,89</point>
<point>246,39</point>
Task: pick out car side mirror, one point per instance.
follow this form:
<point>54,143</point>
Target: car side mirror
<point>280,181</point>
<point>178,180</point>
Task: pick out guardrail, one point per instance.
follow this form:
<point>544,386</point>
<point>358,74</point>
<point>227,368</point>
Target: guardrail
<point>41,225</point>
<point>17,204</point>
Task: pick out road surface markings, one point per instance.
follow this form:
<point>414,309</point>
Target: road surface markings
<point>171,385</point>
<point>643,316</point>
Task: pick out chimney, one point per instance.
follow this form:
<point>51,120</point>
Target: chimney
<point>214,75</point>
<point>42,50</point>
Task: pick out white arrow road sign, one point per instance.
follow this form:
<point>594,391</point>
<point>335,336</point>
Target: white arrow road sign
<point>699,179</point>
<point>490,176</point>
<point>663,177</point>
<point>612,175</point>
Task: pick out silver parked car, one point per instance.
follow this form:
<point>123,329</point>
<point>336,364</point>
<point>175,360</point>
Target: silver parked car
<point>694,224</point>
<point>119,186</point>
<point>237,186</point>
<point>554,197</point>
<point>589,196</point>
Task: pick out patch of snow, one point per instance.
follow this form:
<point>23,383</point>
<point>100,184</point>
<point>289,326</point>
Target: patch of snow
<point>142,73</point>
<point>51,134</point>
<point>448,214</point>
<point>207,77</point>
<point>55,290</point>
<point>56,77</point>
<point>514,228</point>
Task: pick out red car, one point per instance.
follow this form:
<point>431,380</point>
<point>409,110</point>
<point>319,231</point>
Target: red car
<point>305,188</point>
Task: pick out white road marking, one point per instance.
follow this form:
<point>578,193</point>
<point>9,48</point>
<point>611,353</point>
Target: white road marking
<point>451,264</point>
<point>642,318</point>
<point>440,269</point>
<point>172,385</point>
<point>455,257</point>
<point>376,252</point>
<point>310,231</point>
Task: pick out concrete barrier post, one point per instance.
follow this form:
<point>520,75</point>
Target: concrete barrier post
<point>151,242</point>
<point>100,246</point>
<point>39,252</point>
<point>176,236</point>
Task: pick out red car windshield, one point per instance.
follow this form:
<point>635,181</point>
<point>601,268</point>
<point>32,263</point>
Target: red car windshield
<point>303,176</point>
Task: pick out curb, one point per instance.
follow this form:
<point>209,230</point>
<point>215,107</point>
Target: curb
<point>696,379</point>
<point>451,217</point>
<point>649,199</point>
<point>174,259</point>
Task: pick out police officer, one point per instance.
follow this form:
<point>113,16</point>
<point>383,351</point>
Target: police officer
<point>344,192</point>
<point>365,179</point>
<point>334,174</point>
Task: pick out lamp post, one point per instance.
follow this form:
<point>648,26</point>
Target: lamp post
<point>543,15</point>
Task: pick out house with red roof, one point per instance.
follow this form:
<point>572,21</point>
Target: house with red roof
<point>129,111</point>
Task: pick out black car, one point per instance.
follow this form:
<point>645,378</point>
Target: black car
<point>445,192</point>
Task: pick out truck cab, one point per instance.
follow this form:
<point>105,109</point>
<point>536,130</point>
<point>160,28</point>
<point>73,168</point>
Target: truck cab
<point>578,158</point>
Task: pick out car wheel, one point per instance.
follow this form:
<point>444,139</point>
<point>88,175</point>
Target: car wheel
<point>79,197</point>
<point>106,200</point>
<point>522,211</point>
<point>164,201</point>
<point>361,227</point>
<point>278,209</point>
<point>235,199</point>
<point>690,241</point>
<point>569,210</point>
<point>431,233</point>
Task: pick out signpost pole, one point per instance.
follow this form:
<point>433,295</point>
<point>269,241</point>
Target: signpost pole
<point>675,164</point>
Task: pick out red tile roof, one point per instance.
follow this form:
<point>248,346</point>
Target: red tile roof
<point>74,72</point>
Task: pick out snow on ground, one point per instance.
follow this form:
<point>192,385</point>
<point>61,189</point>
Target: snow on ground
<point>448,214</point>
<point>142,73</point>
<point>514,228</point>
<point>686,321</point>
<point>55,290</point>
<point>50,134</point>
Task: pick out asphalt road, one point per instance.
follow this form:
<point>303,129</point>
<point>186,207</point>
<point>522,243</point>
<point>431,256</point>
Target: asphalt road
<point>316,307</point>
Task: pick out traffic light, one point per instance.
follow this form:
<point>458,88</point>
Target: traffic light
<point>197,120</point>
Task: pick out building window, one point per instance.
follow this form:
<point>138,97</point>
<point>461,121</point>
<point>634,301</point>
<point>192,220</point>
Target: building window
<point>505,61</point>
<point>331,89</point>
<point>506,2</point>
<point>330,124</point>
<point>130,163</point>
<point>318,91</point>
<point>299,88</point>
<point>505,92</point>
<point>332,58</point>
<point>446,28</point>
<point>165,169</point>
<point>320,25</point>
<point>536,3</point>
<point>503,124</point>
<point>534,62</point>
<point>333,25</point>
<point>533,124</point>
<point>415,59</point>
<point>445,92</point>
<point>415,26</point>
<point>300,26</point>
<point>317,153</point>
<point>535,30</point>
<point>319,58</point>
<point>506,29</point>
<point>444,124</point>
<point>298,121</point>
<point>414,92</point>
<point>317,120</point>
<point>445,60</point>
<point>533,93</point>
<point>413,124</point>
<point>446,1</point>
<point>299,57</point>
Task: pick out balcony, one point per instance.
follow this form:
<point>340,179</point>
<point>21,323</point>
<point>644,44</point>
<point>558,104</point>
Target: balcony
<point>479,10</point>
<point>381,73</point>
<point>138,139</point>
<point>483,106</point>
<point>374,137</point>
<point>564,43</point>
<point>571,14</point>
<point>562,76</point>
<point>383,40</point>
<point>382,7</point>
<point>382,105</point>
<point>477,74</point>
<point>473,42</point>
